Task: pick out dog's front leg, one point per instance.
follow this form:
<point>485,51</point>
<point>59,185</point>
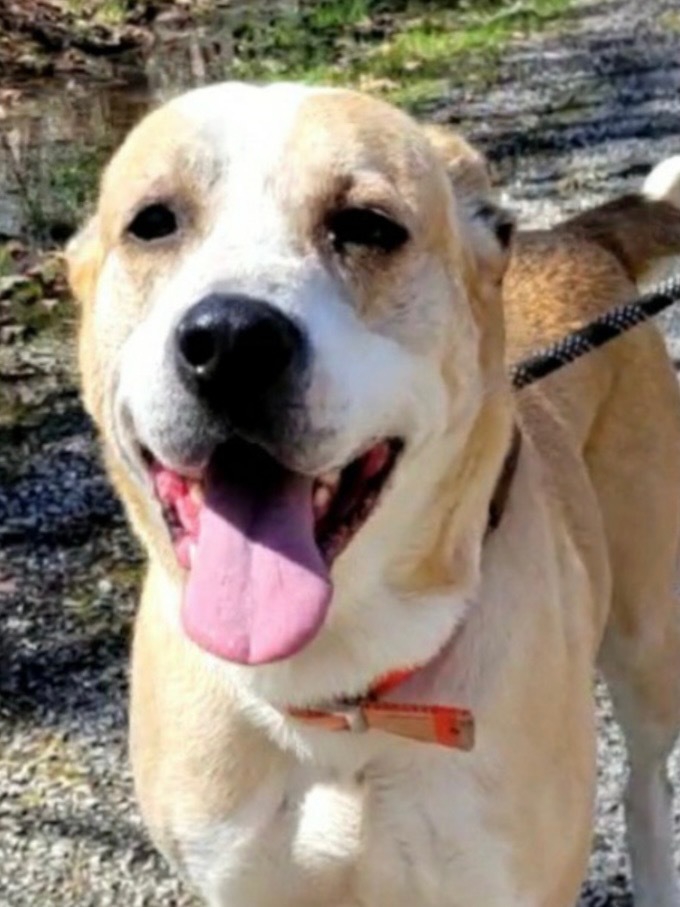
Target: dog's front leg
<point>237,815</point>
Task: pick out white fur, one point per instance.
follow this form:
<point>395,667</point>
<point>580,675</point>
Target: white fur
<point>663,183</point>
<point>301,852</point>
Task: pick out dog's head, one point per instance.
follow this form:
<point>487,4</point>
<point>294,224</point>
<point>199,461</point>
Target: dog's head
<point>292,342</point>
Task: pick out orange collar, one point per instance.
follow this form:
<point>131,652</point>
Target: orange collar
<point>449,726</point>
<point>446,725</point>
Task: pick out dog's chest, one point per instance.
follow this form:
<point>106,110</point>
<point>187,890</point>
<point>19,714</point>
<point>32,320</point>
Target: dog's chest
<point>424,824</point>
<point>401,835</point>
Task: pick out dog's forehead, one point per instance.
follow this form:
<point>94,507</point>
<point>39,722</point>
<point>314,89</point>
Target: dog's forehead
<point>297,134</point>
<point>264,123</point>
<point>243,124</point>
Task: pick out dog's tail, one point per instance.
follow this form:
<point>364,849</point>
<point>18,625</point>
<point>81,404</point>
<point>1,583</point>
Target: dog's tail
<point>641,229</point>
<point>663,183</point>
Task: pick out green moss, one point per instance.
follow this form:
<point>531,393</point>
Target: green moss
<point>73,179</point>
<point>54,186</point>
<point>670,20</point>
<point>106,12</point>
<point>28,310</point>
<point>6,263</point>
<point>33,296</point>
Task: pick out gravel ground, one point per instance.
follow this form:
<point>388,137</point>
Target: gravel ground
<point>573,117</point>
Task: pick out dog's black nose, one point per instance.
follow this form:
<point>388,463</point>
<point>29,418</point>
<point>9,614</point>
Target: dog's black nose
<point>233,350</point>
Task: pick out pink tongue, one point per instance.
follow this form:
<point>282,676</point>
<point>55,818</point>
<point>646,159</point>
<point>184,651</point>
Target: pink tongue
<point>258,589</point>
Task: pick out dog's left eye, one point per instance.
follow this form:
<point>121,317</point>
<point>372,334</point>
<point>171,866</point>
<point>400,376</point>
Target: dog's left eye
<point>365,227</point>
<point>153,222</point>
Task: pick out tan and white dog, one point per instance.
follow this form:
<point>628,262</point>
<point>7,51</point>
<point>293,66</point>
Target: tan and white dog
<point>295,309</point>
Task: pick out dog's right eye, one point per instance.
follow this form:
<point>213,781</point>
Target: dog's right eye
<point>365,228</point>
<point>153,222</point>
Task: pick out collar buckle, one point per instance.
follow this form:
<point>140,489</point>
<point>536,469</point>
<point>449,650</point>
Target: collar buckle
<point>354,716</point>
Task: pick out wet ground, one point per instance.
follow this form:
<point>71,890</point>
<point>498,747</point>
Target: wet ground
<point>571,117</point>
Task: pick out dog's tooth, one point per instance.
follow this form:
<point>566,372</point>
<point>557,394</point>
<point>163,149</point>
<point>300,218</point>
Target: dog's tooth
<point>192,553</point>
<point>196,493</point>
<point>321,501</point>
<point>330,480</point>
<point>322,496</point>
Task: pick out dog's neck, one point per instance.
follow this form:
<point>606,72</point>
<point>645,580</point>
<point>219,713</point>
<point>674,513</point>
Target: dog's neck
<point>453,520</point>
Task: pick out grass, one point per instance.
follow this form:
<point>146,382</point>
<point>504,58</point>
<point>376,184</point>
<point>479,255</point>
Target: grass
<point>103,12</point>
<point>409,52</point>
<point>671,20</point>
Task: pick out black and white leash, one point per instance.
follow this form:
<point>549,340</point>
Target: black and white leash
<point>600,331</point>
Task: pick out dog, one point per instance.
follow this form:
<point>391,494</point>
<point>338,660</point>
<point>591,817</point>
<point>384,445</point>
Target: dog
<point>378,580</point>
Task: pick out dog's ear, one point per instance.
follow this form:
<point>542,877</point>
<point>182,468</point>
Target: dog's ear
<point>84,257</point>
<point>465,165</point>
<point>491,226</point>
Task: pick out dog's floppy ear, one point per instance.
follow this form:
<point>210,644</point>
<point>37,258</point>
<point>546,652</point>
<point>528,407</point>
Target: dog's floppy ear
<point>465,165</point>
<point>491,225</point>
<point>84,256</point>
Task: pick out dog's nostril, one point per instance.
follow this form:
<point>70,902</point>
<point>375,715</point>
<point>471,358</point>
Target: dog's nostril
<point>263,350</point>
<point>198,347</point>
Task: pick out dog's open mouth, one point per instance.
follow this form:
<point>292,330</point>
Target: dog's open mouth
<point>258,542</point>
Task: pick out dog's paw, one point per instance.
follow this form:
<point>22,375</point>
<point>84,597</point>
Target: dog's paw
<point>663,183</point>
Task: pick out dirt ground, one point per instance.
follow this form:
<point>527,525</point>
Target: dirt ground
<point>573,116</point>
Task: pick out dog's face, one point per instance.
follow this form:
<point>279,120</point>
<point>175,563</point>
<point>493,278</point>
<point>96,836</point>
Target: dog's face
<point>291,326</point>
